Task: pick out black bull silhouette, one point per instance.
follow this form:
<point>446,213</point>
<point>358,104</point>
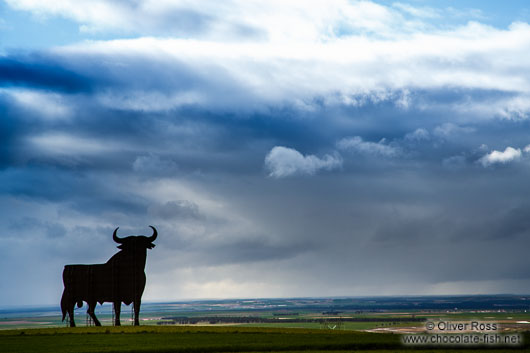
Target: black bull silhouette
<point>121,279</point>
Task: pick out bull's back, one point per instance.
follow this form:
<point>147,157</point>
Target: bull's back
<point>103,282</point>
<point>88,282</point>
<point>74,274</point>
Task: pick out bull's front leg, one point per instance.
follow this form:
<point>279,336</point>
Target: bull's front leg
<point>91,308</point>
<point>137,302</point>
<point>71,314</point>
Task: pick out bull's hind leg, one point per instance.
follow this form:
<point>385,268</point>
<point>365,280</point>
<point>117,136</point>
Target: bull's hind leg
<point>67,307</point>
<point>91,307</point>
<point>117,311</point>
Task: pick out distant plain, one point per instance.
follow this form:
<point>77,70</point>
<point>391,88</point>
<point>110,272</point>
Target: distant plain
<point>287,325</point>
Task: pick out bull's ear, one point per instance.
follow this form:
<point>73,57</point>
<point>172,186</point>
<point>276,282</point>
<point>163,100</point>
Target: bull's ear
<point>120,246</point>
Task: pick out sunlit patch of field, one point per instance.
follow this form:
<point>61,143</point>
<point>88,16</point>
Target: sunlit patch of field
<point>333,325</point>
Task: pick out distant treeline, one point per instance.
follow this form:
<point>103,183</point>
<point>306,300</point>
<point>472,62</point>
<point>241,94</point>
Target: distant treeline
<point>183,320</point>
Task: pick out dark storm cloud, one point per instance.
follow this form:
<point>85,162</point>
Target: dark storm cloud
<point>52,230</point>
<point>249,251</point>
<point>317,132</point>
<point>35,71</point>
<point>37,183</point>
<point>90,195</point>
<point>84,73</point>
<point>513,223</point>
<point>8,132</point>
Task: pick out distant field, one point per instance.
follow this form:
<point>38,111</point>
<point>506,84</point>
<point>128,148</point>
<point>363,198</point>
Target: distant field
<point>260,325</point>
<point>200,339</point>
<point>333,325</point>
<point>368,321</point>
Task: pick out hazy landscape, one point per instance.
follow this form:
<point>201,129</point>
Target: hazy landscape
<point>382,314</point>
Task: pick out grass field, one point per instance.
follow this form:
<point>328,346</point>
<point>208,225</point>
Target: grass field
<point>203,339</point>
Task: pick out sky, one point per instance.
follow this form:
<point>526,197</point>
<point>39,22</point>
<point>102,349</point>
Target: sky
<point>281,148</point>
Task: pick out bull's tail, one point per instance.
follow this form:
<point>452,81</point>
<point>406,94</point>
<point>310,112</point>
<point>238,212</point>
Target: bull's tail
<point>68,299</point>
<point>65,299</point>
<point>66,303</point>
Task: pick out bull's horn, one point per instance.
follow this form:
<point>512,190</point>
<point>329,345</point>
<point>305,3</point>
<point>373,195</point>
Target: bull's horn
<point>155,234</point>
<point>115,237</point>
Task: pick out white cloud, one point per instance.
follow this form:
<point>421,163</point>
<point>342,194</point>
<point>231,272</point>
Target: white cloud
<point>179,209</point>
<point>149,101</point>
<point>96,14</point>
<point>419,134</point>
<point>283,162</point>
<point>448,129</point>
<point>482,148</point>
<point>354,69</point>
<point>45,105</point>
<point>425,12</point>
<point>64,144</point>
<point>295,19</point>
<point>357,144</point>
<point>510,154</point>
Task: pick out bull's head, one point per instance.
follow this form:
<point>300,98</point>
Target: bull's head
<point>135,242</point>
